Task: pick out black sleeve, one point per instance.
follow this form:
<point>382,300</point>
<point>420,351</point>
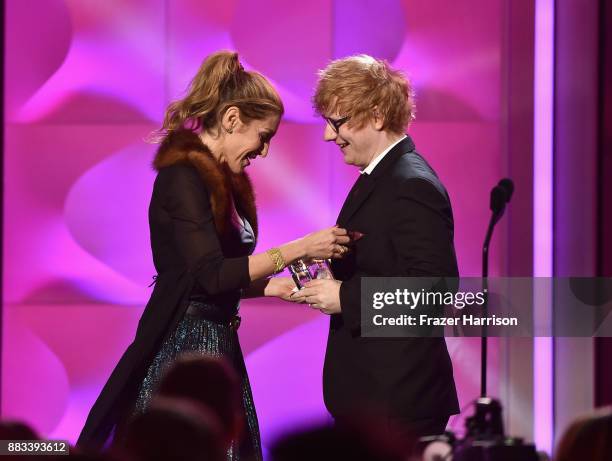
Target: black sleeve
<point>423,232</point>
<point>350,303</point>
<point>421,237</point>
<point>187,202</point>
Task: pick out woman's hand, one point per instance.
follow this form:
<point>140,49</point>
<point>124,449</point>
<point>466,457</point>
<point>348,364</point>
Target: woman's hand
<point>280,287</point>
<point>327,243</point>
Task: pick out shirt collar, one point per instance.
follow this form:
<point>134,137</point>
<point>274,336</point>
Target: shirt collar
<point>379,157</point>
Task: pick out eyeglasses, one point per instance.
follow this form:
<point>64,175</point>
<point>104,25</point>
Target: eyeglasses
<point>336,124</point>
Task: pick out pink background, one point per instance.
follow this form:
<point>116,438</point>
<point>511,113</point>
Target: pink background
<point>86,81</point>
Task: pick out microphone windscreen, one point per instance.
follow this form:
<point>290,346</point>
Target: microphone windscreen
<point>498,199</point>
<point>508,186</point>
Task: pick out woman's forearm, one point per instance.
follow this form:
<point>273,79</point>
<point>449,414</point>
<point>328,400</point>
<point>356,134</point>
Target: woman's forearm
<point>279,287</point>
<point>256,289</point>
<point>324,244</point>
<point>262,265</point>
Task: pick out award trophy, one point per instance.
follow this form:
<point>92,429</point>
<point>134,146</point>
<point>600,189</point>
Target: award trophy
<point>315,269</point>
<point>303,272</point>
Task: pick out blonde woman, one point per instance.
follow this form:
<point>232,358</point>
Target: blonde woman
<point>203,225</point>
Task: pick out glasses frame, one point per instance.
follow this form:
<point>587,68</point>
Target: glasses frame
<point>336,124</point>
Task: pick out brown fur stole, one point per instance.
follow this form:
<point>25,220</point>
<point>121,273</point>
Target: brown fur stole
<point>186,147</point>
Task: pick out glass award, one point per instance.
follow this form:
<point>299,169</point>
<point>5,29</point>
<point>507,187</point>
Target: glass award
<point>303,272</point>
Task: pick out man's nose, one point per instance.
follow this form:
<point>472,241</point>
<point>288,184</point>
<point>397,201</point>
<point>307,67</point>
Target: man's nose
<point>329,134</point>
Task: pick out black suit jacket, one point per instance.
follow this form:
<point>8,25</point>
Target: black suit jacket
<point>405,213</point>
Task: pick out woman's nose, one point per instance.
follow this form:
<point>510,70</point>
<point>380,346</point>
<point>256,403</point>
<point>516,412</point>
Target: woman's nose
<point>264,150</point>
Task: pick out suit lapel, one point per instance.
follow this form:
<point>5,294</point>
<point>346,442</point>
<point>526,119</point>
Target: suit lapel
<point>358,194</point>
<point>366,184</point>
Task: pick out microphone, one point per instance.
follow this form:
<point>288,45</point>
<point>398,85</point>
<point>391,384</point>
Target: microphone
<point>500,196</point>
<point>508,187</point>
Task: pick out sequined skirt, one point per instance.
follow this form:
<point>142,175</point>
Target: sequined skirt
<point>197,333</point>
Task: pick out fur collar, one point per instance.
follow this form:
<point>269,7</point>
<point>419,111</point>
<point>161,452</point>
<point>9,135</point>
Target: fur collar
<point>225,188</point>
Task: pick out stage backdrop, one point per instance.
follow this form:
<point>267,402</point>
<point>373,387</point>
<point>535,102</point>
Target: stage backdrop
<point>88,80</point>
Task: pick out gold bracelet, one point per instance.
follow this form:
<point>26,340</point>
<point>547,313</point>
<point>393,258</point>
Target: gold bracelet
<point>277,258</point>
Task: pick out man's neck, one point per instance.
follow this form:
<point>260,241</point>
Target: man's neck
<point>387,140</point>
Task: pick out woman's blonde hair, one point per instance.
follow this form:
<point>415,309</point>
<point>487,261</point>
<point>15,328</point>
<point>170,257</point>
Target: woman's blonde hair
<point>222,82</point>
<point>356,85</point>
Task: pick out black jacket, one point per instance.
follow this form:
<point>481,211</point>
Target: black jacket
<point>405,214</point>
<point>196,251</point>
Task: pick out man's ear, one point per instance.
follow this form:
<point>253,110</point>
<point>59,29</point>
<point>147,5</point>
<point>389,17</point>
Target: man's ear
<point>377,119</point>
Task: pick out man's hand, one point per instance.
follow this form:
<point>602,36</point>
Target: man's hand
<point>322,294</point>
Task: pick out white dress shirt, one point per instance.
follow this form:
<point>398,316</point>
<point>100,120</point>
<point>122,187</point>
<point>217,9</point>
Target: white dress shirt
<point>376,160</point>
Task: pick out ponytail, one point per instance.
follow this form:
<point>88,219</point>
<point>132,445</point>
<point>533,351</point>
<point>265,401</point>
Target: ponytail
<point>221,82</point>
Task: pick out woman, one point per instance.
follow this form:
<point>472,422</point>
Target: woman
<point>203,227</point>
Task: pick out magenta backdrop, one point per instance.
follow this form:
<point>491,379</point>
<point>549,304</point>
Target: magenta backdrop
<point>87,80</point>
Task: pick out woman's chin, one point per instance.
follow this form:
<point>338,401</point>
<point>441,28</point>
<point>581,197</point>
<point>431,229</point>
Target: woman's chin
<point>236,167</point>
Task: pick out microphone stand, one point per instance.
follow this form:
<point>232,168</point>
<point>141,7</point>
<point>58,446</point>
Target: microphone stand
<point>500,196</point>
<point>485,286</point>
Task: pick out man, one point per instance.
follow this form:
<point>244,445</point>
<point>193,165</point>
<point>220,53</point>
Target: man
<point>404,213</point>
